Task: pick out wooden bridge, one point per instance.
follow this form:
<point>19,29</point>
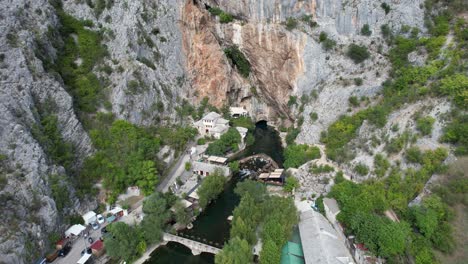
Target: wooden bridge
<point>196,247</point>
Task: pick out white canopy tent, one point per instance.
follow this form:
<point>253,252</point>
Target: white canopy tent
<point>84,258</point>
<point>75,230</point>
<point>89,217</point>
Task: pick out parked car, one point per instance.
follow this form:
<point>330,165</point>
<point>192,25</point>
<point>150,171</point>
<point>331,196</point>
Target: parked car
<point>100,219</point>
<point>95,225</point>
<point>103,230</point>
<point>86,250</point>
<point>64,251</point>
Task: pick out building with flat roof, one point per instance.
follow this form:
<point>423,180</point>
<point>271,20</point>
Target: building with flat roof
<point>320,241</point>
<point>212,125</point>
<point>205,169</point>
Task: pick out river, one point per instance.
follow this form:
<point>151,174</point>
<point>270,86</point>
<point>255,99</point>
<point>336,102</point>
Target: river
<point>212,224</point>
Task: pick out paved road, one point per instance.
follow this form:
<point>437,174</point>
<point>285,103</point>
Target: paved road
<point>176,170</point>
<point>77,246</point>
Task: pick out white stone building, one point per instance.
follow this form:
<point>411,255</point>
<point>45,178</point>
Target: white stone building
<point>238,111</point>
<point>212,125</point>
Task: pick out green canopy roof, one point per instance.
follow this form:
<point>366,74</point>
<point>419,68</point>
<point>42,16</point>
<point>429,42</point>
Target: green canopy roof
<point>292,254</point>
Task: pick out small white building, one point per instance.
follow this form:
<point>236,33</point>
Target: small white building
<point>238,111</point>
<point>212,125</point>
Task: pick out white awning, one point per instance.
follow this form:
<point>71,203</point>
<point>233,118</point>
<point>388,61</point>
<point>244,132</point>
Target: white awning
<point>186,203</point>
<point>263,176</point>
<point>217,159</point>
<point>75,230</point>
<point>84,258</point>
<point>194,194</point>
<point>116,210</point>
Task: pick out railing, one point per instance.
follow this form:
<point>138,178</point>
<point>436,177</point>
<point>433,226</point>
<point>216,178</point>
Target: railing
<point>192,244</point>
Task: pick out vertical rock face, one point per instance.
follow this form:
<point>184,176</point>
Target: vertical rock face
<point>144,43</point>
<point>289,62</point>
<point>29,211</point>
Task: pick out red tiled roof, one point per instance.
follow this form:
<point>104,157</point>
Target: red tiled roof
<point>98,245</point>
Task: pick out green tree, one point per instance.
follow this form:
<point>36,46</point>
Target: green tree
<point>365,30</point>
<point>181,215</point>
<point>236,251</point>
<point>296,155</point>
<point>358,53</point>
<point>271,253</point>
<point>255,189</point>
<point>124,242</point>
<point>156,209</point>
<point>291,184</point>
<point>188,166</point>
<point>234,166</point>
<point>211,187</point>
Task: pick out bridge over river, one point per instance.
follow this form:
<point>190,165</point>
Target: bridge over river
<point>196,247</point>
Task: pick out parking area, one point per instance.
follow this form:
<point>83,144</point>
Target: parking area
<point>79,244</point>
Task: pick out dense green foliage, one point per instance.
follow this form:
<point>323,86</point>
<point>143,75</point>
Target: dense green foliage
<point>125,242</point>
<point>48,135</point>
<point>81,82</point>
<point>291,184</point>
<point>125,157</point>
<point>385,7</point>
<point>296,155</point>
<point>238,59</point>
<point>361,169</point>
<point>365,30</point>
<point>424,125</point>
<point>211,187</point>
<point>157,214</point>
<point>243,121</point>
<point>291,23</point>
<point>381,165</point>
<point>362,207</point>
<point>456,133</point>
<point>273,216</point>
<point>229,141</point>
<point>223,16</point>
<point>236,251</point>
<point>358,53</point>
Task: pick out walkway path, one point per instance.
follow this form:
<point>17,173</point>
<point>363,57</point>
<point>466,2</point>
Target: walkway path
<point>177,169</point>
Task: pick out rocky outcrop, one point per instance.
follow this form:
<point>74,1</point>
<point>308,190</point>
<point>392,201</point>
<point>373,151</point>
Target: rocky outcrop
<point>144,44</point>
<point>29,212</point>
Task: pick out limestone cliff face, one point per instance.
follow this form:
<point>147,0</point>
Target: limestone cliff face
<point>29,211</point>
<point>144,43</point>
<point>273,52</point>
<point>289,62</point>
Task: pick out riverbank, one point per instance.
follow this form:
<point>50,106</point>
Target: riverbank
<point>147,254</point>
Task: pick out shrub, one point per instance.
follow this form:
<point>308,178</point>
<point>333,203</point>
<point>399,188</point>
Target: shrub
<point>354,101</point>
<point>357,53</point>
<point>414,155</point>
<point>381,165</point>
<point>358,81</point>
<point>292,134</point>
<point>188,166</point>
<point>239,60</point>
<point>291,23</point>
<point>291,184</point>
<point>385,7</point>
<point>292,100</point>
<point>361,169</point>
<point>296,155</point>
<point>456,86</point>
<point>424,125</point>
<point>328,44</point>
<point>313,116</point>
<point>385,29</point>
<point>216,11</point>
<point>321,169</point>
<point>225,18</point>
<point>228,141</point>
<point>201,141</point>
<point>456,132</point>
<point>365,30</point>
<point>323,36</point>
